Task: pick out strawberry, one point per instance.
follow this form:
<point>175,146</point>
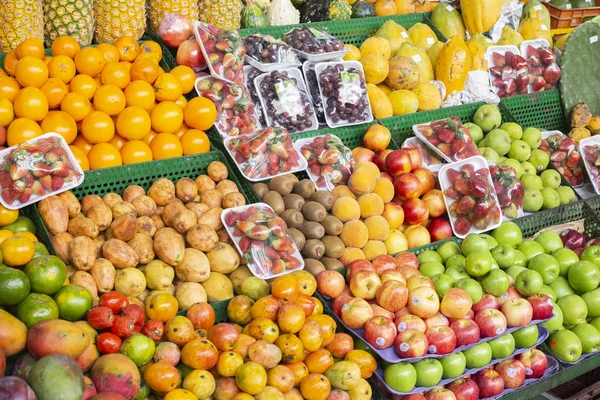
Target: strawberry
<point>245,243</point>
<point>446,135</point>
<point>238,232</point>
<point>62,171</point>
<point>478,187</point>
<point>279,149</point>
<point>481,209</point>
<point>245,226</point>
<point>55,154</point>
<point>57,183</point>
<point>5,179</point>
<point>41,169</point>
<point>457,146</point>
<point>17,171</point>
<point>231,218</point>
<point>46,182</point>
<point>465,204</point>
<point>293,263</point>
<point>451,193</point>
<point>462,186</point>
<point>37,189</point>
<point>258,232</point>
<point>277,226</point>
<point>453,175</point>
<point>329,156</point>
<point>278,267</point>
<point>283,244</point>
<point>462,226</point>
<point>272,254</point>
<point>25,195</point>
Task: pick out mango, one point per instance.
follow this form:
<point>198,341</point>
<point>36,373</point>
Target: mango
<point>116,373</point>
<point>57,336</point>
<point>56,376</point>
<point>13,334</point>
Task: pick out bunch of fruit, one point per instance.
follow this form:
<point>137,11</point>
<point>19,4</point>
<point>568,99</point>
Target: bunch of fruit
<point>113,104</point>
<point>565,157</point>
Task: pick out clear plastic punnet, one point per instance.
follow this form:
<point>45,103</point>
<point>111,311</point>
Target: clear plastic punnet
<point>223,51</point>
<point>510,190</point>
<point>543,68</point>
<point>590,148</point>
<point>269,54</point>
<point>565,156</point>
<point>314,44</point>
<point>508,71</point>
<point>251,73</point>
<point>447,137</point>
<point>428,156</point>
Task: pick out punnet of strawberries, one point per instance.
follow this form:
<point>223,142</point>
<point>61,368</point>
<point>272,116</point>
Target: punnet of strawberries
<point>592,156</point>
<point>565,157</point>
<point>224,51</point>
<point>449,137</point>
<point>37,168</point>
<point>330,162</point>
<point>509,188</point>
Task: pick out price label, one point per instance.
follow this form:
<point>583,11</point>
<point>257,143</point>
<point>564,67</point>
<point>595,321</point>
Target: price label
<point>593,39</point>
<point>543,27</point>
<point>430,41</point>
<point>417,58</point>
<point>290,101</point>
<point>568,6</point>
<point>449,8</point>
<point>349,91</point>
<point>404,34</point>
<point>537,8</point>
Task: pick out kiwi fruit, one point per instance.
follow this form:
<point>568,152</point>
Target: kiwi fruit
<point>315,267</point>
<point>275,200</point>
<point>334,247</point>
<point>293,218</point>
<point>298,237</point>
<point>293,178</point>
<point>293,201</point>
<point>326,199</point>
<point>260,188</point>
<point>313,248</point>
<point>312,230</point>
<point>314,211</point>
<point>305,188</point>
<point>282,184</point>
<point>332,263</point>
<point>333,226</point>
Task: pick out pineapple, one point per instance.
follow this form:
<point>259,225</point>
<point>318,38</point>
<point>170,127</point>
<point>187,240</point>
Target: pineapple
<point>69,18</point>
<point>158,9</point>
<point>117,18</point>
<point>20,20</point>
<point>223,13</point>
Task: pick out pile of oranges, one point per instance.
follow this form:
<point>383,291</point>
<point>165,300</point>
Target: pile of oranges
<point>112,103</point>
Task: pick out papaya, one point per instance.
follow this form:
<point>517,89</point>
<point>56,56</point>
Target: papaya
<point>560,43</point>
<point>434,52</point>
<point>116,373</point>
<point>380,103</point>
<point>404,73</point>
<point>384,88</point>
<point>375,67</point>
<point>57,336</point>
<point>13,334</point>
<point>535,10</point>
<point>56,376</point>
<point>480,15</point>
<point>405,6</point>
<point>404,102</point>
<point>394,33</point>
<point>453,65</point>
<point>422,35</point>
<point>429,96</point>
<point>477,46</point>
<point>448,21</point>
<point>423,6</point>
<point>532,29</point>
<point>510,37</point>
<point>419,56</point>
<point>385,8</point>
<point>376,45</point>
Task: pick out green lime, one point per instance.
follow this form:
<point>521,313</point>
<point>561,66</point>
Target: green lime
<point>14,286</point>
<point>73,302</point>
<point>139,348</point>
<point>40,249</point>
<point>22,224</point>
<point>46,273</point>
<point>36,307</point>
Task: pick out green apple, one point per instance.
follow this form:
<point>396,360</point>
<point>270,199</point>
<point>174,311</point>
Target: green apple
<point>530,248</point>
<point>583,276</point>
<point>478,356</point>
<point>551,199</point>
<point>502,159</point>
<point>556,322</point>
<point>526,337</point>
<point>566,258</point>
<point>514,130</point>
<point>473,242</point>
<point>454,365</point>
<point>550,241</point>
<point>575,309</point>
<point>592,300</point>
<point>489,154</point>
<point>539,159</point>
<point>502,347</point>
<point>495,282</point>
<point>561,287</point>
<point>565,345</point>
<point>431,268</point>
<point>475,131</point>
<point>487,117</point>
<point>479,263</point>
<point>519,150</point>
<point>520,259</point>
<point>447,250</point>
<point>529,282</point>
<point>509,162</point>
<point>546,266</point>
<point>429,255</point>
<point>528,168</point>
<point>504,254</point>
<point>596,323</point>
<point>589,337</point>
<point>533,137</point>
<point>472,287</point>
<point>498,140</point>
<point>457,260</point>
<point>514,271</point>
<point>457,273</point>
<point>401,377</point>
<point>532,200</point>
<point>549,291</point>
<point>508,233</point>
<point>565,194</point>
<point>550,178</point>
<point>490,240</point>
<point>442,283</point>
<point>429,372</point>
<point>531,181</point>
<point>592,254</point>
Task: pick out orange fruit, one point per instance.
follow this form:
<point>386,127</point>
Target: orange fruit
<point>110,52</point>
<point>135,151</point>
<point>7,112</point>
<point>66,46</point>
<point>185,76</point>
<point>148,138</point>
<point>7,217</point>
<point>162,377</point>
<point>194,142</point>
<point>152,47</point>
<point>104,155</point>
<point>109,99</point>
<point>126,65</point>
<point>31,71</point>
<point>182,129</point>
<point>145,70</point>
<point>77,105</point>
<point>61,67</point>
<point>140,93</point>
<point>61,123</point>
<point>25,234</point>
<point>89,61</point>
<point>165,145</point>
<point>115,74</point>
<point>21,130</point>
<point>167,88</point>
<point>166,117</point>
<point>10,63</point>
<point>84,84</point>
<point>31,103</point>
<point>47,60</point>
<point>200,113</point>
<point>2,73</point>
<point>55,91</point>
<point>97,127</point>
<point>9,87</point>
<point>5,233</point>
<point>161,306</point>
<point>118,141</point>
<point>83,144</point>
<point>181,102</point>
<point>133,123</point>
<point>81,157</point>
<point>30,48</point>
<point>127,47</point>
<point>17,250</point>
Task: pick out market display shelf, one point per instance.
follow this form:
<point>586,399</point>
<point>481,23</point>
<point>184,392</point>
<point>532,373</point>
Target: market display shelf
<point>542,110</point>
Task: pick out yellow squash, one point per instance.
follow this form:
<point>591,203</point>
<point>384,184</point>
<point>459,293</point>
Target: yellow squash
<point>453,65</point>
<point>480,15</point>
<point>477,46</point>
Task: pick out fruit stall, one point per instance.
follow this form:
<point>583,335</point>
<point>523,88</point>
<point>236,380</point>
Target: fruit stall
<point>299,199</point>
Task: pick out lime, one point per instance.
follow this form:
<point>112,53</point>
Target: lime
<point>14,286</point>
<point>46,273</point>
<point>73,302</point>
<point>40,249</point>
<point>36,307</point>
<point>21,224</point>
<point>139,348</point>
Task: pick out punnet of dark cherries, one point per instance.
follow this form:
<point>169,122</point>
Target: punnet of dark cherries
<point>341,105</point>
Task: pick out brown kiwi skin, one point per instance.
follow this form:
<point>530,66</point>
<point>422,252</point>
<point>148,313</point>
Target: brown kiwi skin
<point>292,218</point>
<point>298,237</point>
<point>313,248</point>
<point>275,200</point>
<point>312,230</point>
<point>305,188</point>
<point>293,178</point>
<point>334,247</point>
<point>260,188</point>
<point>332,263</point>
<point>333,226</point>
<point>293,201</point>
<point>282,184</point>
<point>315,267</point>
<point>314,211</point>
<point>326,199</point>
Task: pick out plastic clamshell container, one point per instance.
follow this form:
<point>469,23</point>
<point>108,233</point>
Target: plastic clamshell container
<point>477,162</point>
<point>319,57</point>
<point>543,334</point>
<point>592,170</point>
<point>320,67</point>
<point>203,27</point>
<point>268,67</point>
<point>252,164</point>
<point>257,266</point>
<point>546,135</point>
<point>250,88</point>
<point>417,129</point>
<point>489,56</point>
<point>308,67</point>
<point>427,155</point>
<point>537,43</point>
<point>292,73</point>
<point>520,212</point>
<point>26,164</point>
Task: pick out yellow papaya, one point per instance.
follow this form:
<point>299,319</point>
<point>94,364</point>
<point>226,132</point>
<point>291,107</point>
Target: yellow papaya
<point>480,15</point>
<point>434,52</point>
<point>405,6</point>
<point>376,68</point>
<point>404,102</point>
<point>560,42</point>
<point>381,106</point>
<point>535,10</point>
<point>448,20</point>
<point>404,73</point>
<point>384,88</point>
<point>422,35</point>
<point>453,65</point>
<point>423,6</point>
<point>429,96</point>
<point>376,45</point>
<point>477,46</point>
<point>532,29</point>
<point>419,56</point>
<point>510,37</point>
<point>394,33</point>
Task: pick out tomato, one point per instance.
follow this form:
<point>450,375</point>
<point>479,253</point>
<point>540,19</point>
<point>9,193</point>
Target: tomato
<point>83,84</point>
<point>108,343</point>
<point>100,317</point>
<point>285,288</point>
<point>200,113</point>
<point>77,105</point>
<point>154,329</point>
<point>162,377</point>
<point>104,155</point>
<point>148,138</point>
<point>31,71</point>
<point>89,61</point>
<point>185,76</point>
<point>202,315</point>
<point>110,52</point>
<point>30,48</point>
<point>61,67</point>
<point>145,70</point>
<point>127,47</point>
<point>116,301</point>
<point>123,326</point>
<point>65,45</point>
<point>133,123</point>
<point>315,387</point>
<point>31,103</point>
<point>165,145</point>
<point>136,312</point>
<point>109,99</point>
<point>141,94</point>
<point>17,251</point>
<point>55,91</point>
<point>200,354</point>
<point>115,74</point>
<point>61,123</point>
<point>194,141</point>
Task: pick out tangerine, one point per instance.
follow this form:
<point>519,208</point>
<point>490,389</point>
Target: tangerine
<point>61,67</point>
<point>89,61</point>
<point>31,71</point>
<point>66,46</point>
<point>22,130</point>
<point>61,123</point>
<point>77,105</point>
<point>97,127</point>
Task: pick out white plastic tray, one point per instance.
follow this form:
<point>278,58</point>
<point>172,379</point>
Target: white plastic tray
<point>591,141</point>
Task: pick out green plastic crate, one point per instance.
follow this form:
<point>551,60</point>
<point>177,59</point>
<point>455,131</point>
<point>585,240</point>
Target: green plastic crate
<point>542,110</point>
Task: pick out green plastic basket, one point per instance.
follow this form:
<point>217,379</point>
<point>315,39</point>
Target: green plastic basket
<point>542,110</point>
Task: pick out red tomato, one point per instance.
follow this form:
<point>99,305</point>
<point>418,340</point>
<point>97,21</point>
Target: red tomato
<point>108,343</point>
<point>154,329</point>
<point>123,326</point>
<point>100,317</point>
<point>136,312</point>
<point>115,301</point>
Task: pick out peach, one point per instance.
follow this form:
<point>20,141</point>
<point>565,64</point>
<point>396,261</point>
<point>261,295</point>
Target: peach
<point>355,234</point>
<point>379,228</point>
<point>384,188</point>
<point>374,248</point>
<point>346,209</point>
<point>370,204</point>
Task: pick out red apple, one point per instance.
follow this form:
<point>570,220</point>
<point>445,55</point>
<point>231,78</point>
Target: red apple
<point>415,396</point>
<point>456,303</point>
<point>423,302</point>
<point>491,322</point>
<point>404,311</point>
<point>398,162</point>
<point>418,280</point>
<point>512,372</point>
<point>511,293</point>
<point>408,272</point>
<point>339,303</point>
<point>407,186</point>
<point>356,312</point>
<point>190,54</point>
<point>535,363</point>
<point>542,306</point>
<point>409,344</point>
<point>387,176</point>
<point>393,275</point>
<point>407,259</point>
<point>487,301</point>
<point>442,340</point>
<point>435,203</point>
<point>438,319</point>
<point>518,312</point>
<point>415,158</point>
<point>427,180</point>
<point>358,265</point>
<point>379,311</point>
<point>380,332</point>
<point>380,157</point>
<point>489,382</point>
<point>392,295</point>
<point>439,393</point>
<point>464,389</point>
<point>393,213</point>
<point>174,29</point>
<point>362,154</point>
<point>439,229</point>
<point>410,322</point>
<point>415,212</point>
<point>364,284</point>
<point>466,330</point>
<point>382,263</point>
<point>330,283</point>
